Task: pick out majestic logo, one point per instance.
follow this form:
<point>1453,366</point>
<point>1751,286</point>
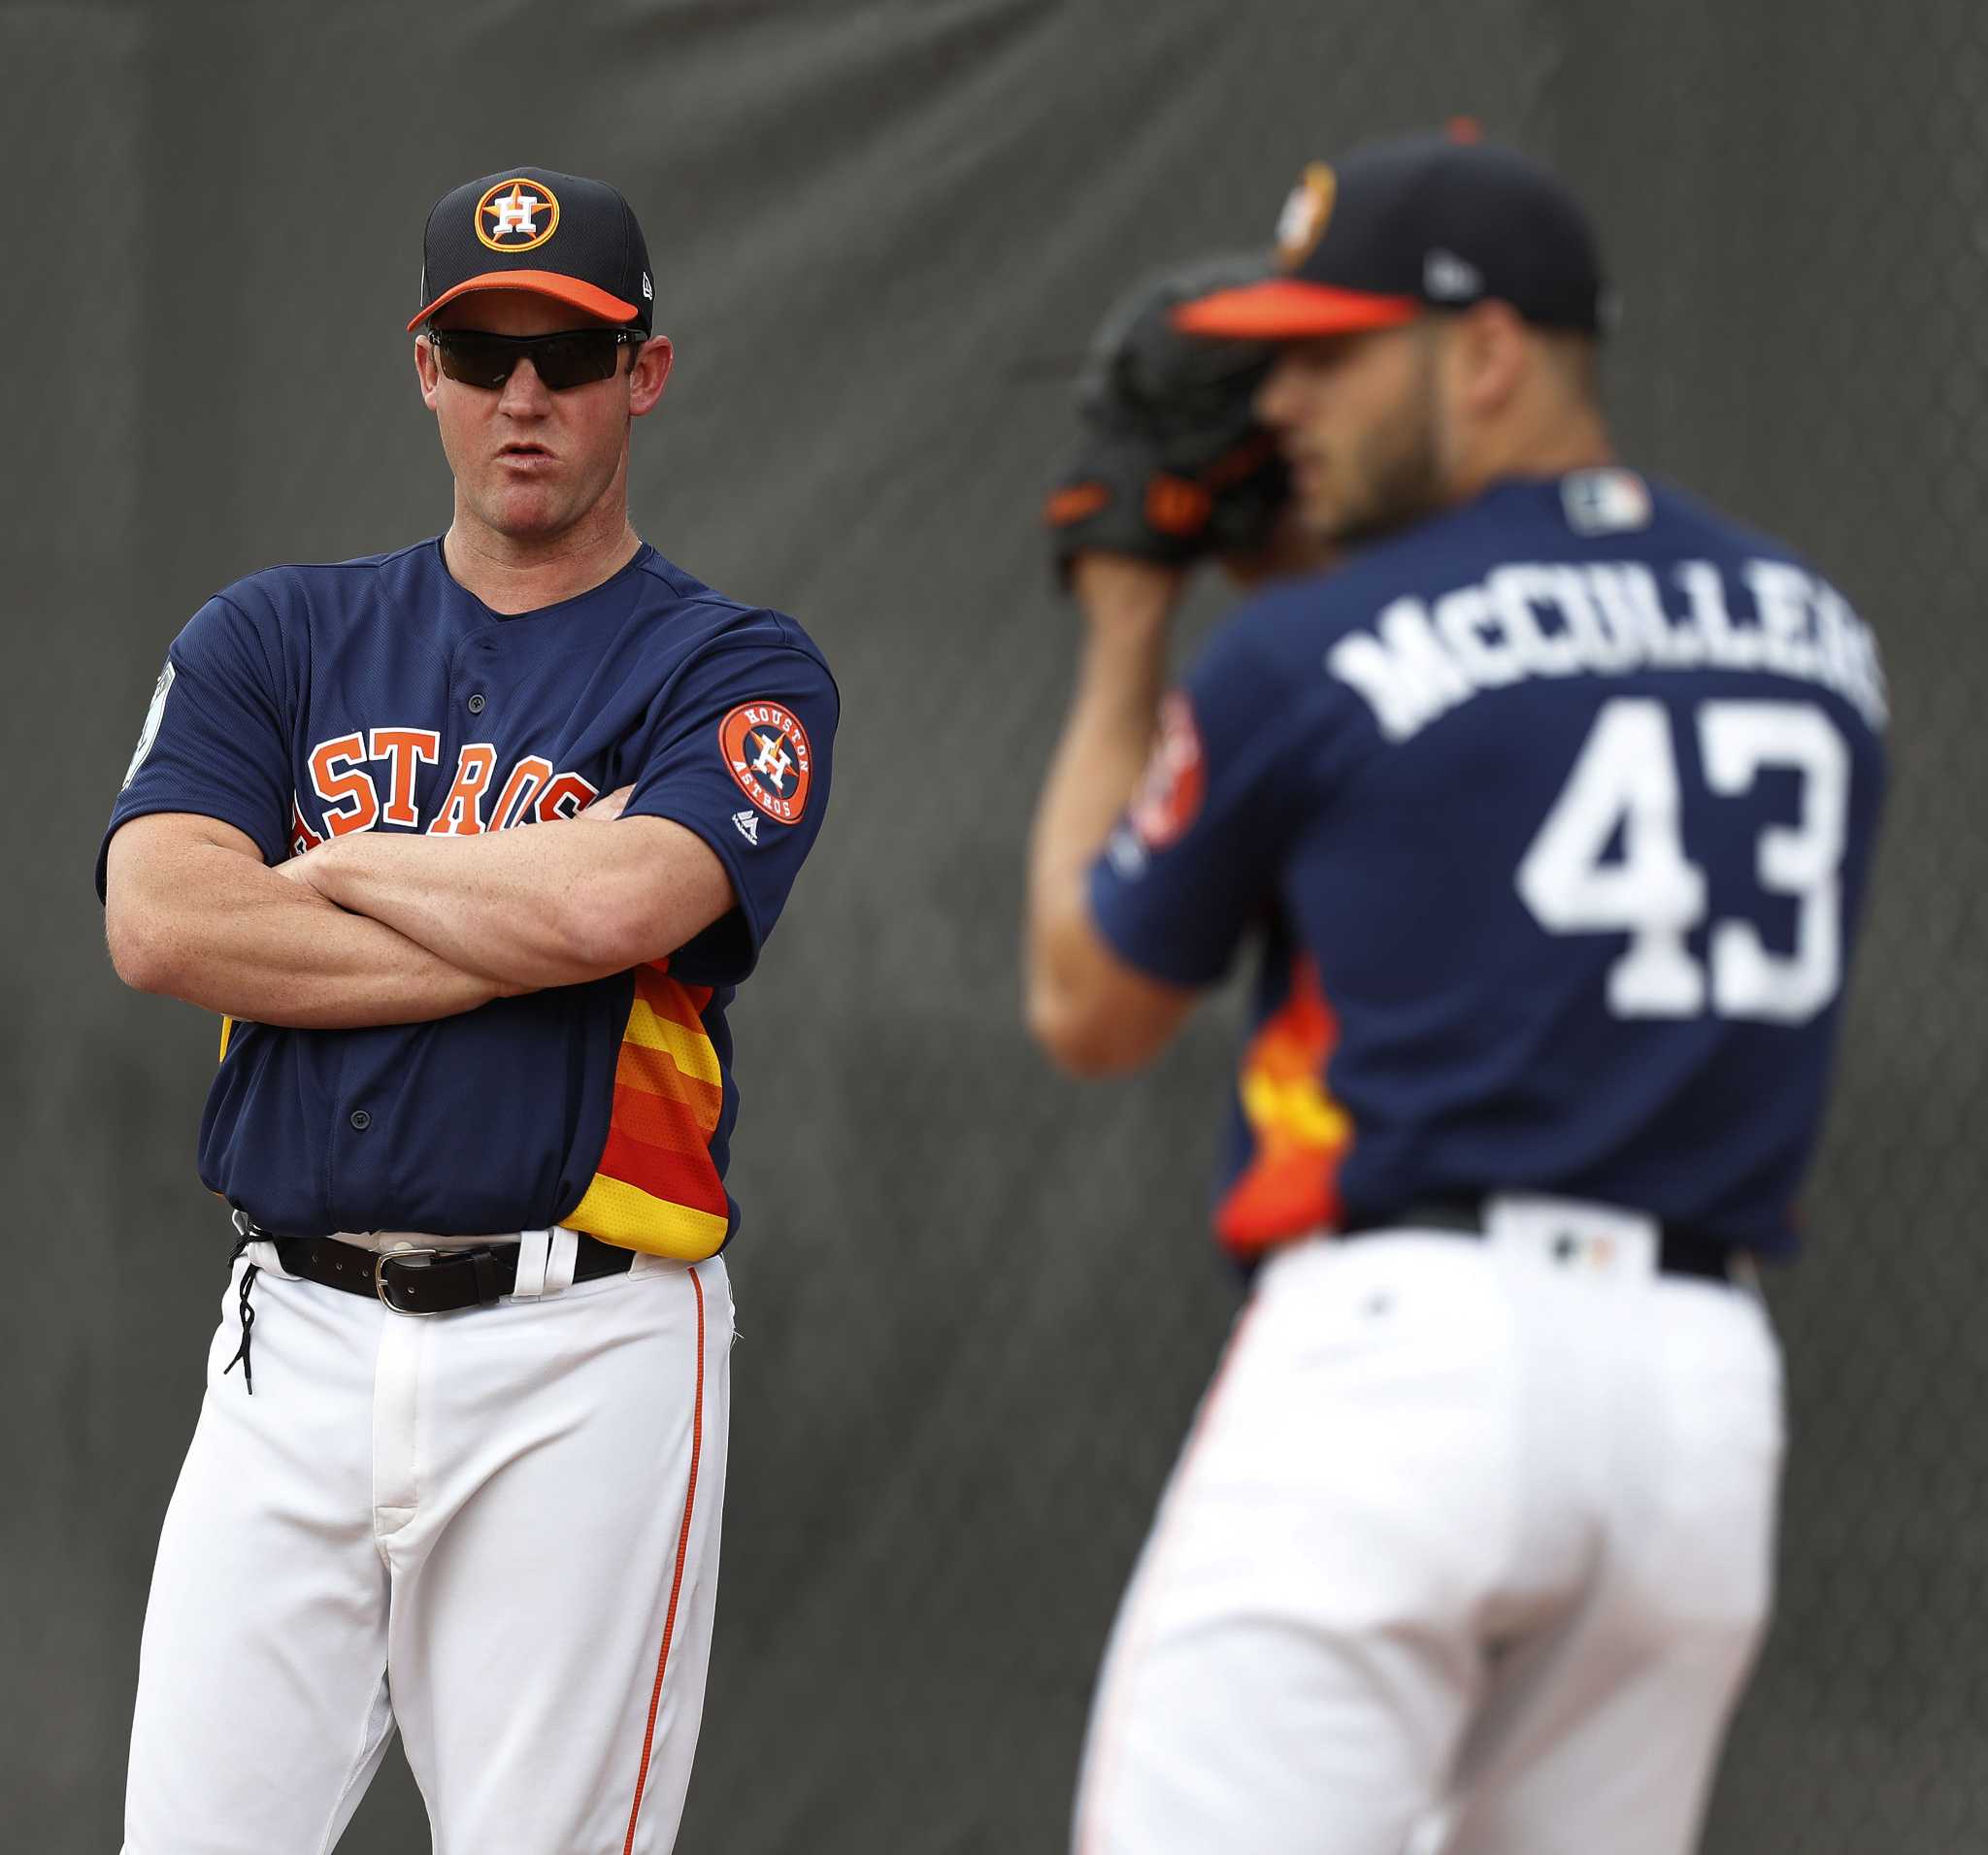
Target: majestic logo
<point>1169,798</point>
<point>516,215</point>
<point>747,823</point>
<point>1302,222</point>
<point>766,753</point>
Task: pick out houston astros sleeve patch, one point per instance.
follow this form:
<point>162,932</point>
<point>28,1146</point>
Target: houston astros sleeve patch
<point>766,753</point>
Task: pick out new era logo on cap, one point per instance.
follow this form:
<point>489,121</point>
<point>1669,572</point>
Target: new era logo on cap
<point>1450,279</point>
<point>557,235</point>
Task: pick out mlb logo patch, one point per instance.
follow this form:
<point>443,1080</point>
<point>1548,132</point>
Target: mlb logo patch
<point>1604,502</point>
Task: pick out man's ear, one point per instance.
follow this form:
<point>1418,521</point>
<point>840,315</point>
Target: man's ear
<point>424,366</point>
<point>648,374</point>
<point>1490,352</point>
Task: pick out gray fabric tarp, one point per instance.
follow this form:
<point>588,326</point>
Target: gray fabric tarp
<point>976,1301</point>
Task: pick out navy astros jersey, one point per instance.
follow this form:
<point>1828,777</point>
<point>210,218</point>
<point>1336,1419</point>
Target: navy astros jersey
<point>1552,815</point>
<point>308,702</point>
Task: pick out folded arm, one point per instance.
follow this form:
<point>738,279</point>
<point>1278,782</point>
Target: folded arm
<point>191,911</point>
<point>544,905</point>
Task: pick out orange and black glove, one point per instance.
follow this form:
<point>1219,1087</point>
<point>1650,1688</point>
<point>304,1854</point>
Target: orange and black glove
<point>1172,465</point>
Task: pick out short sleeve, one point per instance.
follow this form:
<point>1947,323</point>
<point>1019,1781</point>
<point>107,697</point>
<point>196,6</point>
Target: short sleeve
<point>213,741</point>
<point>742,757</point>
<point>1193,865</point>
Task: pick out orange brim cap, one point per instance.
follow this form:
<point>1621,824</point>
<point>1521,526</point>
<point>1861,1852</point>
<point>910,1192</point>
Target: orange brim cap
<point>568,289</point>
<point>1287,308</point>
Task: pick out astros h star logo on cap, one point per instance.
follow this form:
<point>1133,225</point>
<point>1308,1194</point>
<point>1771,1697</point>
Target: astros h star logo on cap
<point>516,215</point>
<point>1302,222</point>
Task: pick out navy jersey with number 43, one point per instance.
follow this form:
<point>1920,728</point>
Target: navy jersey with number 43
<point>1552,816</point>
<point>379,695</point>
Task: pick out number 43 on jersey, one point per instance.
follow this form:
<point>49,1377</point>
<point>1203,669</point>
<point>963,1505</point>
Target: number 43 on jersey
<point>1626,781</point>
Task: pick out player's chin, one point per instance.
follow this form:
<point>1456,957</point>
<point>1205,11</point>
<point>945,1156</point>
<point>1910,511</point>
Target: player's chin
<point>525,511</point>
<point>1357,512</point>
<point>1319,512</point>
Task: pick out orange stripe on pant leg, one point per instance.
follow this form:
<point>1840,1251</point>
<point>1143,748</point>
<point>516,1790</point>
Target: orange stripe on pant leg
<point>655,1697</point>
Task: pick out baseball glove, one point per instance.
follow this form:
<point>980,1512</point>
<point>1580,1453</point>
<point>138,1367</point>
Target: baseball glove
<point>1172,465</point>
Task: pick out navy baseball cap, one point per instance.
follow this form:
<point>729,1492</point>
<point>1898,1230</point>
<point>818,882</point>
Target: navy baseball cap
<point>1401,227</point>
<point>533,229</point>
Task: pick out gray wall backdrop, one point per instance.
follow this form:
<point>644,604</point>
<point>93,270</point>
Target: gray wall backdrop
<point>976,1301</point>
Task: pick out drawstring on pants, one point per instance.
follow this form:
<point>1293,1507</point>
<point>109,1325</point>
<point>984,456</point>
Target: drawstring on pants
<point>245,1234</point>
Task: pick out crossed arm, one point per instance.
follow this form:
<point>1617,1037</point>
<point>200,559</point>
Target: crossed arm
<point>385,929</point>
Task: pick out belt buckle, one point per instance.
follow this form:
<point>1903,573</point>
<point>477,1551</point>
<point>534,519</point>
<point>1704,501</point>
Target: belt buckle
<point>379,1263</point>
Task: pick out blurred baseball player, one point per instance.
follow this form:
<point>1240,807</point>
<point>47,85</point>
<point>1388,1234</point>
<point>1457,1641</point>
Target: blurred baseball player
<point>472,843</point>
<point>1550,809</point>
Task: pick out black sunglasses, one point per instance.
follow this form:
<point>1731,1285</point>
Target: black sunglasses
<point>572,357</point>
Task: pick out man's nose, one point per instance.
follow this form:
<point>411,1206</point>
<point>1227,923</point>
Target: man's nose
<point>1271,399</point>
<point>524,394</point>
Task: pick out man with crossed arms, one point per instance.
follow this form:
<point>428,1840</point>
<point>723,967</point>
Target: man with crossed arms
<point>470,844</point>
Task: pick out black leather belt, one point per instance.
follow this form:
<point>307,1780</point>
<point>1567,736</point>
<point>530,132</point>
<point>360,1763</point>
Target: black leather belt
<point>432,1282</point>
<point>1682,1249</point>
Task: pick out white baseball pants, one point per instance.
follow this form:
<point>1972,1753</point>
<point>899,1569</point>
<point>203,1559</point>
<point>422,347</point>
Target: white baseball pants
<point>496,1530</point>
<point>1469,1551</point>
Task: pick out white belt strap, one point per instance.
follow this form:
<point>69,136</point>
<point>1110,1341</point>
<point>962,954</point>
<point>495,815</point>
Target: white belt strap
<point>262,1253</point>
<point>545,1260</point>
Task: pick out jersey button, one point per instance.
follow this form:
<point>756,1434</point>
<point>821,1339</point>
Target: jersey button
<point>361,1119</point>
<point>476,705</point>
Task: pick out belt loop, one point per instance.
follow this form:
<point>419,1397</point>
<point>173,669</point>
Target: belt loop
<point>561,1259</point>
<point>533,1248</point>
